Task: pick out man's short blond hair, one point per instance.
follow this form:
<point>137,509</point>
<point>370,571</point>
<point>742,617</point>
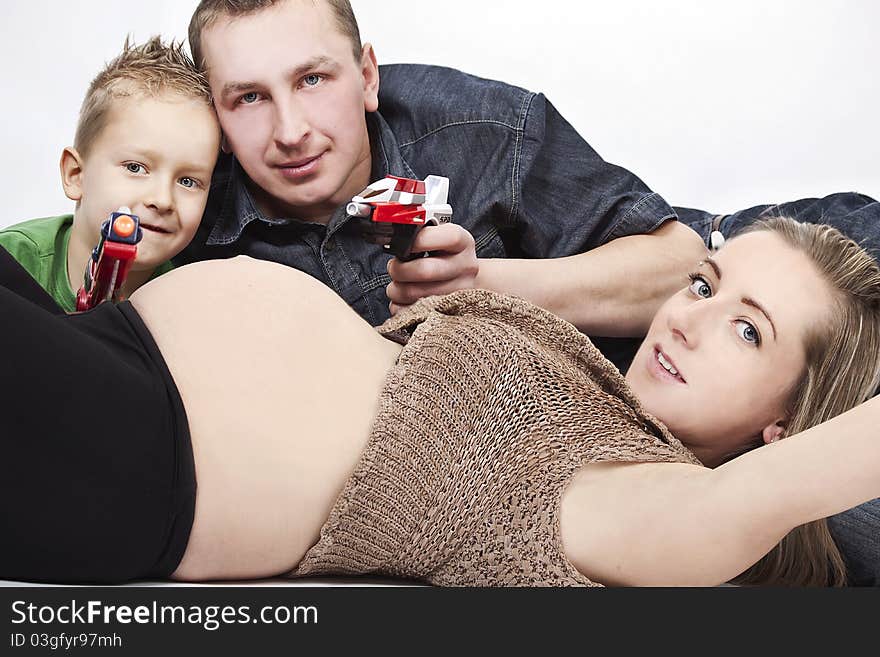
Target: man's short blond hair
<point>209,11</point>
<point>146,70</point>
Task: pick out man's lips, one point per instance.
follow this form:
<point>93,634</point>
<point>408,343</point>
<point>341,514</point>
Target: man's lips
<point>299,168</point>
<point>656,366</point>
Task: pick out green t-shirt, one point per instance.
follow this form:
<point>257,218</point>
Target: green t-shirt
<point>40,245</point>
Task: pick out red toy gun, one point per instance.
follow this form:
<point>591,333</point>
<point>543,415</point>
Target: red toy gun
<point>393,210</point>
<point>110,260</point>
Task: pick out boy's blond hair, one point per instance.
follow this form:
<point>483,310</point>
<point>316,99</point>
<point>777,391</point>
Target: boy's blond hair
<point>145,70</point>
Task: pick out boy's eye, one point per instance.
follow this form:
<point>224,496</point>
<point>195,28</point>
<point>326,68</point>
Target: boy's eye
<point>700,287</point>
<point>134,167</point>
<point>189,183</point>
<point>312,79</point>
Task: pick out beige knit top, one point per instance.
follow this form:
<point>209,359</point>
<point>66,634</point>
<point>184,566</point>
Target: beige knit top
<point>492,407</point>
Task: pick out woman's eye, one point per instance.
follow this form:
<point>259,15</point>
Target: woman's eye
<point>700,287</point>
<point>312,79</point>
<point>747,332</point>
<point>134,167</point>
<point>248,98</point>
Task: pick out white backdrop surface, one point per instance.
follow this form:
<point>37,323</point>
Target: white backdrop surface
<point>713,104</point>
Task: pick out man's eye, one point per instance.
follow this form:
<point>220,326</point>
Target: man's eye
<point>248,98</point>
<point>134,167</point>
<point>312,79</point>
<point>700,287</point>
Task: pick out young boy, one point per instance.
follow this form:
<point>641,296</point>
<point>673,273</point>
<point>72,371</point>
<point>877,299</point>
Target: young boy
<point>147,138</point>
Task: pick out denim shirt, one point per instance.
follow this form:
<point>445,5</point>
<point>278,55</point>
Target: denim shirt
<point>522,181</point>
<point>855,215</point>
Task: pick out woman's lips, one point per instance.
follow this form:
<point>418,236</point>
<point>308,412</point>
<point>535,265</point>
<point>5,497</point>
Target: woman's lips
<point>658,371</point>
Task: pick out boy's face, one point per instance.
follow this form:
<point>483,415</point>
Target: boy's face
<point>291,99</point>
<point>156,156</point>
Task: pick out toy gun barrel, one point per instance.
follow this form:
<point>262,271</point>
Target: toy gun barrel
<point>355,209</point>
<point>110,260</point>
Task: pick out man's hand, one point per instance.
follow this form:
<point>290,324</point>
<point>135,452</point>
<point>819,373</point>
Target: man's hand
<point>452,266</point>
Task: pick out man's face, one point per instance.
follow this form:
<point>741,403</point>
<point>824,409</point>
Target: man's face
<point>291,98</point>
<point>154,155</point>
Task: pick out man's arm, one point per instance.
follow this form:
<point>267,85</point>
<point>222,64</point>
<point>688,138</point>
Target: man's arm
<point>583,238</point>
<point>612,290</point>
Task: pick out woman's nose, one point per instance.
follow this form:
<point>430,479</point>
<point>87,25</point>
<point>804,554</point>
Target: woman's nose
<point>686,322</point>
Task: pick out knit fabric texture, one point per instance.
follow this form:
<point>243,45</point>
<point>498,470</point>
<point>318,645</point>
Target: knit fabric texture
<point>492,407</point>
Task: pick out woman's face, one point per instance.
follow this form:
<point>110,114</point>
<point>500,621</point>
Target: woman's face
<point>723,355</point>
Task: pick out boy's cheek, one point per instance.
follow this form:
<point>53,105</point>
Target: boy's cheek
<point>191,217</point>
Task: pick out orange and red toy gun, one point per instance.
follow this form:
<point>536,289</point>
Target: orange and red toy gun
<point>110,260</point>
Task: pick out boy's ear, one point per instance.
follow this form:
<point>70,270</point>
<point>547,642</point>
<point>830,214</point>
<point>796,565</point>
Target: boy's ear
<point>370,73</point>
<point>71,173</point>
<point>774,432</point>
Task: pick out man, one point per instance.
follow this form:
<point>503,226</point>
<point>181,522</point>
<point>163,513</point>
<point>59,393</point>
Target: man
<point>302,110</point>
<point>307,125</point>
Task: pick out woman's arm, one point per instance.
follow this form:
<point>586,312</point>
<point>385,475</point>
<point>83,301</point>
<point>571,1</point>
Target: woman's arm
<point>661,524</point>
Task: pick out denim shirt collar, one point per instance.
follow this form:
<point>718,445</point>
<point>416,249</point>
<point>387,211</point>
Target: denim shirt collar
<point>238,208</point>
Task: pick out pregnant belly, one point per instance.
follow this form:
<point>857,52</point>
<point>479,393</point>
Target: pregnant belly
<point>280,381</point>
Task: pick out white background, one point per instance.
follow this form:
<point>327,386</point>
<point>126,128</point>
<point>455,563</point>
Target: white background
<point>718,105</point>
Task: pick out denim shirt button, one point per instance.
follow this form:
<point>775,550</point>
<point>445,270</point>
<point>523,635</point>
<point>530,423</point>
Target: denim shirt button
<point>329,245</point>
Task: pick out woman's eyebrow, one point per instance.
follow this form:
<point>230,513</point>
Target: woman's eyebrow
<point>754,304</point>
<point>714,265</point>
<point>746,300</point>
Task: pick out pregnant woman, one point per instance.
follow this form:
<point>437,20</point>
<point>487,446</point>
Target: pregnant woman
<point>236,419</point>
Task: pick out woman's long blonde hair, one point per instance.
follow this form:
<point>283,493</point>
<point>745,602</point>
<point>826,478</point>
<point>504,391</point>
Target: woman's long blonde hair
<point>842,371</point>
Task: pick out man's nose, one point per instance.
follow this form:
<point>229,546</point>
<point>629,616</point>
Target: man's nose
<point>291,127</point>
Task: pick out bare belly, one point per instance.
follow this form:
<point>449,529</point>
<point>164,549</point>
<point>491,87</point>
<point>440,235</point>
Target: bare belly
<point>280,380</point>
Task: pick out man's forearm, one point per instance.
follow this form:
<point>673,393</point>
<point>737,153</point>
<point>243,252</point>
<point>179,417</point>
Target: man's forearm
<point>613,290</point>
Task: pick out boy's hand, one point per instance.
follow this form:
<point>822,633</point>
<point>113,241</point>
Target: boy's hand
<point>452,265</point>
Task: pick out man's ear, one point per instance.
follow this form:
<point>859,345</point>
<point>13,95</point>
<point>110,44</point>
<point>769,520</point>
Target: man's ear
<point>71,166</point>
<point>370,73</point>
<point>224,143</point>
<point>774,432</point>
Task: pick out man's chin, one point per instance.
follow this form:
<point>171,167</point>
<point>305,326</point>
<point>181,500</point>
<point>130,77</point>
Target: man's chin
<point>304,204</point>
